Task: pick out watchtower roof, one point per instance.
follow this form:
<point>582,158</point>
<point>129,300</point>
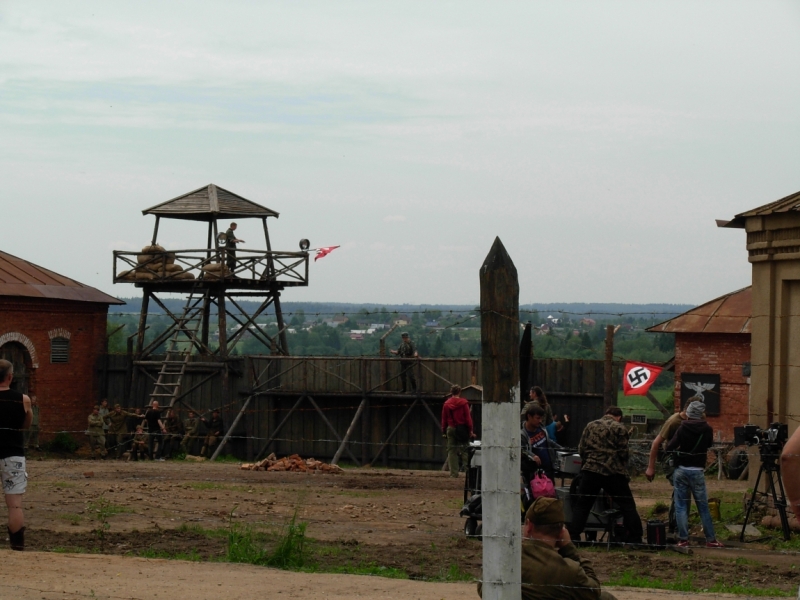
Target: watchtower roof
<point>208,203</point>
<point>790,203</point>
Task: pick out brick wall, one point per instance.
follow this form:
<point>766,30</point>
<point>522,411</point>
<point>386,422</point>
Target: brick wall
<point>66,391</point>
<point>721,353</point>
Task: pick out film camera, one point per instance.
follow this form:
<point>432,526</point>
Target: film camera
<point>770,441</point>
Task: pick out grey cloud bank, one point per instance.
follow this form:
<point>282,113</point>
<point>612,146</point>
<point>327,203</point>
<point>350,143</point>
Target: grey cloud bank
<point>598,140</point>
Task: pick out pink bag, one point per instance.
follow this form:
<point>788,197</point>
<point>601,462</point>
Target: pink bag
<point>542,487</point>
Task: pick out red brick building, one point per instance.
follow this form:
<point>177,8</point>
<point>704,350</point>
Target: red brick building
<point>54,331</point>
<point>712,358</point>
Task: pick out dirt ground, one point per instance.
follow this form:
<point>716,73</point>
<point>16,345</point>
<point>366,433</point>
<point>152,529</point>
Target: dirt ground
<point>367,521</point>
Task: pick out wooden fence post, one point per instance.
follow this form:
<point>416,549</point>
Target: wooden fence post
<point>502,544</point>
<point>609,389</point>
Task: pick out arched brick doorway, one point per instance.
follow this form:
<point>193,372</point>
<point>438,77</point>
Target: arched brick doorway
<point>19,356</point>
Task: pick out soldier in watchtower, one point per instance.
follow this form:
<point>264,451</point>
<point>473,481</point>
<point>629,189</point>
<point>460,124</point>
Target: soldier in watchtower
<point>230,246</point>
<point>407,353</point>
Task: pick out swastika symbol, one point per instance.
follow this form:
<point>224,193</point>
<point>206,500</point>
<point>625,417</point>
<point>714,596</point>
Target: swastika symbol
<point>638,376</point>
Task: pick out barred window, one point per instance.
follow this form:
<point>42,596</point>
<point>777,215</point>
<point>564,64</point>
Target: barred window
<point>59,350</point>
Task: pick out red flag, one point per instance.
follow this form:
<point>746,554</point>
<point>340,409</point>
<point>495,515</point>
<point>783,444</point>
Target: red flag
<point>638,377</point>
<point>324,252</point>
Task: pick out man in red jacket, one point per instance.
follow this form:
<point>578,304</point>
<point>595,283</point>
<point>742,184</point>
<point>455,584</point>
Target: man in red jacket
<point>457,428</point>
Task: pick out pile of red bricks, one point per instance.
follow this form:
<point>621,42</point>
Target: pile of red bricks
<point>294,463</point>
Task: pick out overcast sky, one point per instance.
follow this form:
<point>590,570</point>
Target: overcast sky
<point>599,140</point>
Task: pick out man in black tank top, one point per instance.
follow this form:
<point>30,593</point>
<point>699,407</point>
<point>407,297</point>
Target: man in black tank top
<point>15,416</point>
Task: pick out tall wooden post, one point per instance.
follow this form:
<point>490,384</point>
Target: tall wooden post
<point>502,544</point>
<point>608,370</point>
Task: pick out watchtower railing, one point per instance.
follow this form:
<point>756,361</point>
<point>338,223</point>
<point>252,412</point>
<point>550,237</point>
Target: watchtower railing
<point>286,268</point>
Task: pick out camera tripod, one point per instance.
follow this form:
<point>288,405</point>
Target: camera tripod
<point>772,468</point>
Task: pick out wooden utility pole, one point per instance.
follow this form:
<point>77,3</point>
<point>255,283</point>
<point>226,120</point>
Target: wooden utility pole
<point>525,359</point>
<point>502,544</point>
<point>608,370</point>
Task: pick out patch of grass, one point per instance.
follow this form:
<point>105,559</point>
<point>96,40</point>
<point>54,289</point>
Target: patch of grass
<point>245,545</point>
<point>63,443</point>
<point>685,583</point>
<point>630,579</point>
<point>198,530</point>
<point>658,509</point>
<point>193,555</point>
<point>70,550</point>
<point>227,458</point>
<point>212,485</point>
<point>455,573</point>
<point>72,518</point>
<point>64,485</point>
<point>103,509</point>
<point>362,569</point>
<point>352,494</point>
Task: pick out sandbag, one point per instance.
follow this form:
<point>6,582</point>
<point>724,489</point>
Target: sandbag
<point>214,267</point>
<point>183,275</point>
<point>173,268</point>
<point>142,275</point>
<point>129,274</point>
<point>154,251</point>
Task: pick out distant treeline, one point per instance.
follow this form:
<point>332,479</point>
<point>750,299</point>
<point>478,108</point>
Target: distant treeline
<point>565,310</point>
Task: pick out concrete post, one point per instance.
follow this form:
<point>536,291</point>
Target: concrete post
<point>502,544</point>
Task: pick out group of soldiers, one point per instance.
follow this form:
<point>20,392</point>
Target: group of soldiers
<point>134,434</point>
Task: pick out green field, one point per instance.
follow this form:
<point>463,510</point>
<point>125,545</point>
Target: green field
<point>641,404</point>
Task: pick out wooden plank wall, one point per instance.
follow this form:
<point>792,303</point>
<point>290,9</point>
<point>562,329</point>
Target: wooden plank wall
<point>338,385</point>
<point>573,387</point>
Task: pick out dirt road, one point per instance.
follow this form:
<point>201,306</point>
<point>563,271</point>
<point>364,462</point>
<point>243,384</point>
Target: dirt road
<point>77,577</point>
<point>373,522</point>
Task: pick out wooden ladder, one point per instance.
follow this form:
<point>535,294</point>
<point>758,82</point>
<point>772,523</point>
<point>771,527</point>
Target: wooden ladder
<point>168,385</point>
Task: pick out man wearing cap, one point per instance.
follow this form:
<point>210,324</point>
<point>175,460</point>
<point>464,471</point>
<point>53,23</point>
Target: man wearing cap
<point>552,569</point>
<point>407,353</point>
<point>456,428</point>
<point>691,443</point>
<point>117,433</point>
<point>604,452</point>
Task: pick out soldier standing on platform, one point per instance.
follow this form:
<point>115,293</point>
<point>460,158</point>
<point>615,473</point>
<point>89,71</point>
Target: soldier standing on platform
<point>230,246</point>
<point>407,353</point>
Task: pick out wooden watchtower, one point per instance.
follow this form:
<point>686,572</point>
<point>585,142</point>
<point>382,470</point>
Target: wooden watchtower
<point>214,280</point>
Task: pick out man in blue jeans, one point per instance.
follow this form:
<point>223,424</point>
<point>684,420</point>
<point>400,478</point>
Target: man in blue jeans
<point>691,443</point>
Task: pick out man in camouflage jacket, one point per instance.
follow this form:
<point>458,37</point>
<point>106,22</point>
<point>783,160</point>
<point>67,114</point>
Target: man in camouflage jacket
<point>604,452</point>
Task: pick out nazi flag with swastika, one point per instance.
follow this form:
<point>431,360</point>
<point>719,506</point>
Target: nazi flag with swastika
<point>638,377</point>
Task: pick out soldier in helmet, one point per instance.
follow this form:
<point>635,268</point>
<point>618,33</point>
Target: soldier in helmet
<point>407,352</point>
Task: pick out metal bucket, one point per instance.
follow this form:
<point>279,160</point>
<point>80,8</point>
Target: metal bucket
<point>657,534</point>
<point>713,508</point>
